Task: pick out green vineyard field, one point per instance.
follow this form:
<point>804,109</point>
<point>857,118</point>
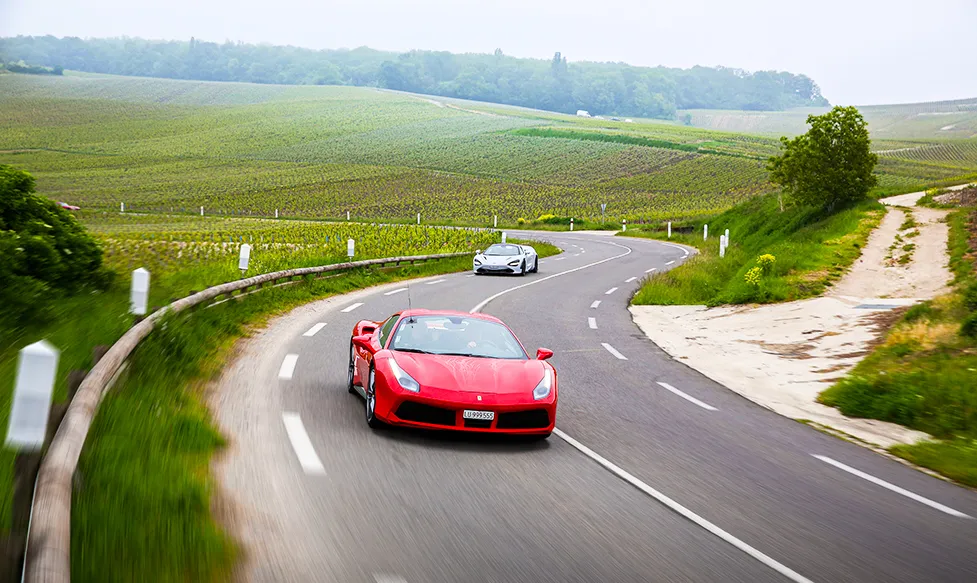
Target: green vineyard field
<point>317,152</point>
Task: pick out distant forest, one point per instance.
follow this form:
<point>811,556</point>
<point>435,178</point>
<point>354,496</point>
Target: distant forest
<point>555,85</point>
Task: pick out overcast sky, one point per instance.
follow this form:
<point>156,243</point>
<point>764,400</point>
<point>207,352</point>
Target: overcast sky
<point>859,51</point>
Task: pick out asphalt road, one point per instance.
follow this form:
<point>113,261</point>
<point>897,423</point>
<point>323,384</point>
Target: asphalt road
<point>656,473</point>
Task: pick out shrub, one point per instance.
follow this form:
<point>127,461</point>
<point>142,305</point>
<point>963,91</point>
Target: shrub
<point>969,326</point>
<point>753,276</point>
<point>970,297</point>
<point>765,263</point>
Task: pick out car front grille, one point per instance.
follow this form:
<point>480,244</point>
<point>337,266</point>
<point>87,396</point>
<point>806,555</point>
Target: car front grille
<point>421,413</point>
<point>532,419</point>
<point>478,423</point>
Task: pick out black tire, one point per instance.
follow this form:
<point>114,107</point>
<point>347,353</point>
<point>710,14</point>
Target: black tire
<point>522,268</point>
<point>536,265</point>
<point>350,369</point>
<point>371,400</point>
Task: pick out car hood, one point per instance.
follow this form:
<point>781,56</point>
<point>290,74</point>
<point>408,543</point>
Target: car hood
<point>498,259</point>
<point>496,376</point>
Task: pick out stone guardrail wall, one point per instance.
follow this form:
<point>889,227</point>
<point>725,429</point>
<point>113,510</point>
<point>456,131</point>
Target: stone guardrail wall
<point>49,539</point>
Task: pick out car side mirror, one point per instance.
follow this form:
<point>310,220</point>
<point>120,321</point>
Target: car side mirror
<point>478,251</point>
<point>364,341</point>
<point>543,353</point>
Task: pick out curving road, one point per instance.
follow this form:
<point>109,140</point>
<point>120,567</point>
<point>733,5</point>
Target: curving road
<point>656,472</point>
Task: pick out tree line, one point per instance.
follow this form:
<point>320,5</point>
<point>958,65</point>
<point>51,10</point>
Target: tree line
<point>554,85</point>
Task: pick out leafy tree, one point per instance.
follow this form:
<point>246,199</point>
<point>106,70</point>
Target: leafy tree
<point>831,164</point>
<point>44,252</point>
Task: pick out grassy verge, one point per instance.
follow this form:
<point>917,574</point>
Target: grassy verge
<point>810,250</point>
<point>924,375</point>
<point>144,496</point>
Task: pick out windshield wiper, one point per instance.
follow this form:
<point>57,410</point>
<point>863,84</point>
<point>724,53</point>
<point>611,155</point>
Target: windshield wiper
<point>463,354</point>
<point>417,350</point>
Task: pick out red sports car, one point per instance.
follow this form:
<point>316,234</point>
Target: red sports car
<point>451,370</point>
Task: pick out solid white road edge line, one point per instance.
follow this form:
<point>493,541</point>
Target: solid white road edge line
<point>630,279</point>
<point>433,282</point>
<point>595,304</point>
<point>302,444</point>
<point>312,331</point>
<point>592,322</point>
<point>613,351</point>
<point>683,511</point>
<point>396,291</point>
<point>893,487</point>
<point>610,291</point>
<point>483,303</point>
<point>288,366</point>
<point>650,270</point>
<point>688,398</point>
<point>351,307</point>
<point>670,262</point>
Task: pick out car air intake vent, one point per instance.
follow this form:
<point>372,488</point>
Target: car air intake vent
<point>411,411</point>
<point>534,419</point>
<point>478,423</point>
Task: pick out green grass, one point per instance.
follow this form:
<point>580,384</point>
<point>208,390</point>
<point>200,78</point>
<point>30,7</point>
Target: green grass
<point>812,249</point>
<point>316,152</point>
<point>923,374</point>
<point>150,447</point>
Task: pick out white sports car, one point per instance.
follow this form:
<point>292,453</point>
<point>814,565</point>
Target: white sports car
<point>506,258</point>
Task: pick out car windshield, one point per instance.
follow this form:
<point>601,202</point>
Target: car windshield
<point>458,336</point>
<point>504,250</point>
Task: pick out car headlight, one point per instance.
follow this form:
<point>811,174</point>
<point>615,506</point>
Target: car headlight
<point>405,381</point>
<point>544,387</point>
<point>514,263</point>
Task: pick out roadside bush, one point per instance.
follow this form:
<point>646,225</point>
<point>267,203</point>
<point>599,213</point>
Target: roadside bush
<point>753,276</point>
<point>969,326</point>
<point>44,252</point>
<point>765,263</point>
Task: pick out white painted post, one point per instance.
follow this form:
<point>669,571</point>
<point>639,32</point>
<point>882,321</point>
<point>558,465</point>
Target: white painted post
<point>418,218</point>
<point>243,258</point>
<point>727,237</point>
<point>139,294</point>
<point>571,223</point>
<point>705,232</point>
<point>722,245</point>
<point>350,248</point>
<point>347,215</point>
<point>276,213</point>
<point>122,207</point>
<point>624,224</point>
<point>495,221</point>
<point>201,211</point>
<point>37,367</point>
<point>669,229</point>
<point>503,236</point>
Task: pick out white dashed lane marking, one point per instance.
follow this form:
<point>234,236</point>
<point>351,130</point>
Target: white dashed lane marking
<point>650,270</point>
<point>893,487</point>
<point>687,397</point>
<point>613,351</point>
<point>351,307</point>
<point>433,282</point>
<point>396,291</point>
<point>670,262</point>
<point>302,444</point>
<point>288,366</point>
<point>312,331</point>
<point>610,291</point>
<point>630,279</point>
<point>592,322</point>
<point>595,304</point>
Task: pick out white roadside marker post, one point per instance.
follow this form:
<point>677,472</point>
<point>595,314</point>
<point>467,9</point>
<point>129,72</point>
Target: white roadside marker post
<point>122,207</point>
<point>27,429</point>
<point>276,213</point>
<point>705,232</point>
<point>624,224</point>
<point>418,218</point>
<point>669,229</point>
<point>495,221</point>
<point>201,211</point>
<point>347,215</point>
<point>139,293</point>
<point>350,248</point>
<point>503,236</point>
<point>243,258</point>
<point>571,223</point>
<point>722,245</point>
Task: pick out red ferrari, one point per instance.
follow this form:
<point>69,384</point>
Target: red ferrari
<point>451,370</point>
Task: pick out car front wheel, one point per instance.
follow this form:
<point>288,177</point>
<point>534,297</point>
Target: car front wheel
<point>371,400</point>
<point>351,369</point>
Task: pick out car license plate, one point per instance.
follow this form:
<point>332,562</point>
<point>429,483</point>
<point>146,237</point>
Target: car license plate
<point>483,415</point>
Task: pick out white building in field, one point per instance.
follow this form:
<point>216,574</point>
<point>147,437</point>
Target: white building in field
<point>582,113</point>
